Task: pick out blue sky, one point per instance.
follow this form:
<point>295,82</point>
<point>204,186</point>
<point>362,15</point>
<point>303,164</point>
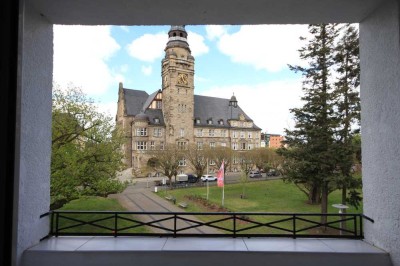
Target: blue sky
<point>250,61</point>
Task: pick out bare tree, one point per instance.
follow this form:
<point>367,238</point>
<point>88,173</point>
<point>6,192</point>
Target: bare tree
<point>220,154</point>
<point>167,160</point>
<point>246,159</point>
<point>265,158</point>
<point>197,158</point>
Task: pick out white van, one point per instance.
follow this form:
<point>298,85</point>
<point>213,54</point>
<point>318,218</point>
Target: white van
<point>181,178</point>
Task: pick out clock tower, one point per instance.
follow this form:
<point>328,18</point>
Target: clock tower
<point>178,88</point>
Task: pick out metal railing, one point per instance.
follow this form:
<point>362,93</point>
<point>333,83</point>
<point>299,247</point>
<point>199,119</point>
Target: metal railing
<point>210,224</point>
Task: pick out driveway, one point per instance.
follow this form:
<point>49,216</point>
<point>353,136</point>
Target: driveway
<point>140,197</point>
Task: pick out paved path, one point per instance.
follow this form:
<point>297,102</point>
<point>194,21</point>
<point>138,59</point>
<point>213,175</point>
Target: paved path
<point>140,198</point>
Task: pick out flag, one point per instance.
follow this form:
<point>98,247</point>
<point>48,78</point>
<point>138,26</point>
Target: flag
<point>220,175</point>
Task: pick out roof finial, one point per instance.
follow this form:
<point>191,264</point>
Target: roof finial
<point>233,102</point>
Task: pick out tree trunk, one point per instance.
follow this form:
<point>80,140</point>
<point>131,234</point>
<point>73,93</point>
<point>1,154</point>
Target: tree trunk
<point>314,197</point>
<point>324,204</point>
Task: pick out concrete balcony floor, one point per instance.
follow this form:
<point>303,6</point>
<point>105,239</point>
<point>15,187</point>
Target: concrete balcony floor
<point>143,251</point>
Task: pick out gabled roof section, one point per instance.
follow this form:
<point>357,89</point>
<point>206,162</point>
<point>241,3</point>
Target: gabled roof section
<point>150,99</point>
<point>134,101</point>
<point>206,107</point>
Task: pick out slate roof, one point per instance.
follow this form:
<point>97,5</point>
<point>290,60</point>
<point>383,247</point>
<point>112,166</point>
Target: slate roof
<point>205,107</point>
<point>155,113</point>
<point>134,100</point>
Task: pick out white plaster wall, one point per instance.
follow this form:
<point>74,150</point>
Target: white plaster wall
<point>380,102</point>
<point>33,145</point>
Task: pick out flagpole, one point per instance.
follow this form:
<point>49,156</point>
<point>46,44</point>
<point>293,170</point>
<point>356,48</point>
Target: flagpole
<point>223,194</point>
<point>207,181</point>
<point>207,188</point>
<point>221,180</point>
<point>223,187</point>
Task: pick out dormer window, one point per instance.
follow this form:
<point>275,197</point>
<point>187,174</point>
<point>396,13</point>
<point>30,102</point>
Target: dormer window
<point>221,122</point>
<point>156,120</point>
<point>209,121</point>
<point>197,120</point>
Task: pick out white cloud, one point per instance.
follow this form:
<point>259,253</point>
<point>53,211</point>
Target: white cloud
<point>109,108</point>
<point>267,104</point>
<point>215,31</point>
<point>147,70</point>
<point>148,47</point>
<point>119,78</point>
<point>269,47</point>
<point>196,44</point>
<point>79,59</point>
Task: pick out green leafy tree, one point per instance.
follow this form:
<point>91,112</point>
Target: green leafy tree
<point>309,158</point>
<point>347,104</point>
<point>85,149</point>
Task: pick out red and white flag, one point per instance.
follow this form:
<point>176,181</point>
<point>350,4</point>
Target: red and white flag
<point>220,175</point>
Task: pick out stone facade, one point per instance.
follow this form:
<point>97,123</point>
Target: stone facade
<point>175,115</point>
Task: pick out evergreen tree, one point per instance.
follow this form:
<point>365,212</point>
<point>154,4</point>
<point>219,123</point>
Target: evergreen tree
<point>309,156</point>
<point>348,106</point>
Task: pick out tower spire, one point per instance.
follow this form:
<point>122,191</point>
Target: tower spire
<point>177,37</point>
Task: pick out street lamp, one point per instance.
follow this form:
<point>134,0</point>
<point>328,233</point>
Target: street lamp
<point>341,207</point>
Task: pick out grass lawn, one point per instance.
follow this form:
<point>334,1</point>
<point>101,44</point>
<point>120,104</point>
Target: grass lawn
<point>261,196</point>
<point>96,204</point>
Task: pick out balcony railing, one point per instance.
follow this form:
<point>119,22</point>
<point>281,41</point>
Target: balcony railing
<point>211,224</point>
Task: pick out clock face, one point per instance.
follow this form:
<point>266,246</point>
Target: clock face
<point>182,79</point>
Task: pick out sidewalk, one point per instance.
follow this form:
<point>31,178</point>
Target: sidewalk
<point>140,198</point>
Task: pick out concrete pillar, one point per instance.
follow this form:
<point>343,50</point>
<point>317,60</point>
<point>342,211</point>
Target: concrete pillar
<point>380,103</point>
<point>33,134</point>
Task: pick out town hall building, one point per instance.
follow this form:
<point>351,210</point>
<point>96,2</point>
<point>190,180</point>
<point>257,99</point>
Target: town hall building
<point>174,114</point>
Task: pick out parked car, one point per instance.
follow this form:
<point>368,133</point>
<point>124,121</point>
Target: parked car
<point>192,178</point>
<point>272,172</point>
<point>205,178</point>
<point>255,174</point>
